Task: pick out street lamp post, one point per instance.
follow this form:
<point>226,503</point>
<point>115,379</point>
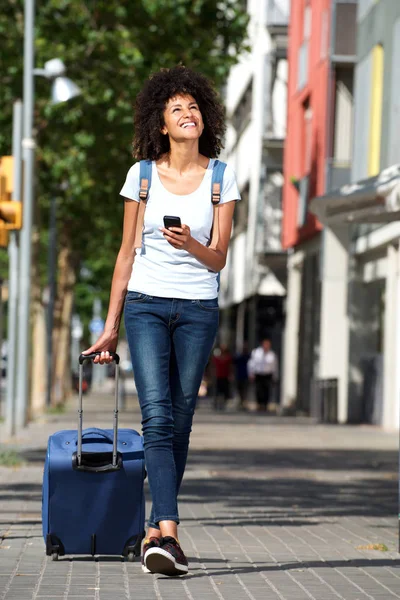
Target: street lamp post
<point>63,89</point>
<point>13,268</point>
<point>28,149</point>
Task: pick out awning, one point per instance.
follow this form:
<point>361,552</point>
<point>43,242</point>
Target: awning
<point>275,260</point>
<point>372,200</point>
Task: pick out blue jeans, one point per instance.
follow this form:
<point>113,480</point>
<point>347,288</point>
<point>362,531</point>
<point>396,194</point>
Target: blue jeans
<point>170,341</point>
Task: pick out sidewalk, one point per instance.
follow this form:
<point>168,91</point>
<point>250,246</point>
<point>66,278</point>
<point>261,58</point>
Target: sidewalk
<point>272,508</point>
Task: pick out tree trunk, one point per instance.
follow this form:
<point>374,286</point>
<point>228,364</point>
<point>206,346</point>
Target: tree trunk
<point>38,361</point>
<point>62,324</point>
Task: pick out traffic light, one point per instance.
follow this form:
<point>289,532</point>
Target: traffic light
<point>3,236</point>
<point>10,210</point>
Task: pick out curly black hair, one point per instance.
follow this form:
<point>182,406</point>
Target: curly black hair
<point>148,142</point>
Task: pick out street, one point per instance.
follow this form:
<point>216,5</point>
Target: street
<point>268,131</point>
<point>271,508</point>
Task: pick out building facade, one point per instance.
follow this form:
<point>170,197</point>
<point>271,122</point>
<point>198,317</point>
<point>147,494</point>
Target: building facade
<point>363,231</point>
<point>251,291</point>
<point>322,54</point>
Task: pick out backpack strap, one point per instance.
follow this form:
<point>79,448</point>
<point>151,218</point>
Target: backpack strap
<point>216,190</point>
<point>145,183</point>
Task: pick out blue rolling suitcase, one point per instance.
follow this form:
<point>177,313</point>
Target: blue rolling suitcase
<point>93,498</point>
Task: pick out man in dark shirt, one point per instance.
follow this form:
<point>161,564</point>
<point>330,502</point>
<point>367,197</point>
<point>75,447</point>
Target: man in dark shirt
<point>222,362</point>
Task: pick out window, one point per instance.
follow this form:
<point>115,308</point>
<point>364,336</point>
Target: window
<point>307,22</point>
<point>302,65</point>
<point>302,74</point>
<point>304,183</point>
<point>345,29</point>
<point>242,114</point>
<point>276,97</point>
<point>304,192</point>
<point>307,136</point>
<point>271,215</point>
<point>343,129</point>
<point>278,12</point>
<point>343,114</point>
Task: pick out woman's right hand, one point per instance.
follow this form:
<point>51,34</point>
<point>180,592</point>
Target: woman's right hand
<point>106,343</point>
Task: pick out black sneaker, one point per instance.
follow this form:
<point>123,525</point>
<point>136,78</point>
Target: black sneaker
<point>167,559</point>
<point>148,543</point>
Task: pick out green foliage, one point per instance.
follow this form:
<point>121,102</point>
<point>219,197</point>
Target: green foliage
<point>59,409</point>
<point>10,458</point>
<point>380,547</point>
<point>83,151</point>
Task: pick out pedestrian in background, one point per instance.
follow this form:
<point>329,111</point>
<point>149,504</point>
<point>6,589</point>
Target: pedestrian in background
<point>241,374</point>
<point>264,371</point>
<point>222,362</point>
<point>168,289</point>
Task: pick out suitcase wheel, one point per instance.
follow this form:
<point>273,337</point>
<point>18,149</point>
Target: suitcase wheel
<point>133,546</point>
<point>54,547</point>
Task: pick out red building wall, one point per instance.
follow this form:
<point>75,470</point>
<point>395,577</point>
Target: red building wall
<point>307,127</point>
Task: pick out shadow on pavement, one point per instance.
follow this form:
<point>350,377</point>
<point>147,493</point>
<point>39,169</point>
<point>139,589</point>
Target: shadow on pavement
<point>20,492</point>
<point>298,458</point>
<point>229,570</point>
<point>317,483</point>
<point>294,497</point>
<point>295,458</point>
<point>272,483</point>
<point>22,522</point>
<point>294,566</point>
<point>32,456</point>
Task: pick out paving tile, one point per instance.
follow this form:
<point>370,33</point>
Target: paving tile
<point>272,509</point>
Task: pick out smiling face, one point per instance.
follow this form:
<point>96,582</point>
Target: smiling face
<point>182,118</point>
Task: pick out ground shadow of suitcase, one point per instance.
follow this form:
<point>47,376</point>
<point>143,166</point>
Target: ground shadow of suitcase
<point>93,497</point>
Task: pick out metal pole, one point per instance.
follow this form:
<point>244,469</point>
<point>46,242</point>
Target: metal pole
<point>80,413</point>
<point>51,265</point>
<point>1,343</point>
<point>28,146</point>
<point>115,423</point>
<point>398,379</point>
<point>13,252</point>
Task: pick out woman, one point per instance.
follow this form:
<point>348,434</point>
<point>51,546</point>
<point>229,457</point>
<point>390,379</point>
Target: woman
<point>169,288</point>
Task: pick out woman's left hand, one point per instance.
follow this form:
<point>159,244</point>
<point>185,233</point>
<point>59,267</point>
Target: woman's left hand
<point>179,237</point>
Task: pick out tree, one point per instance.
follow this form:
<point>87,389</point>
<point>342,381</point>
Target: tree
<point>83,151</point>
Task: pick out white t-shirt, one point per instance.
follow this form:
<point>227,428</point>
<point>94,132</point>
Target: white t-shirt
<point>159,268</point>
<point>263,363</point>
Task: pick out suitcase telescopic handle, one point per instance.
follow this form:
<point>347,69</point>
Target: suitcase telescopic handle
<point>93,355</point>
<point>82,359</point>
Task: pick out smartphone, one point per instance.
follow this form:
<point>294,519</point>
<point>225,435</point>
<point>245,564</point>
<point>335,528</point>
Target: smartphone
<point>170,221</point>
